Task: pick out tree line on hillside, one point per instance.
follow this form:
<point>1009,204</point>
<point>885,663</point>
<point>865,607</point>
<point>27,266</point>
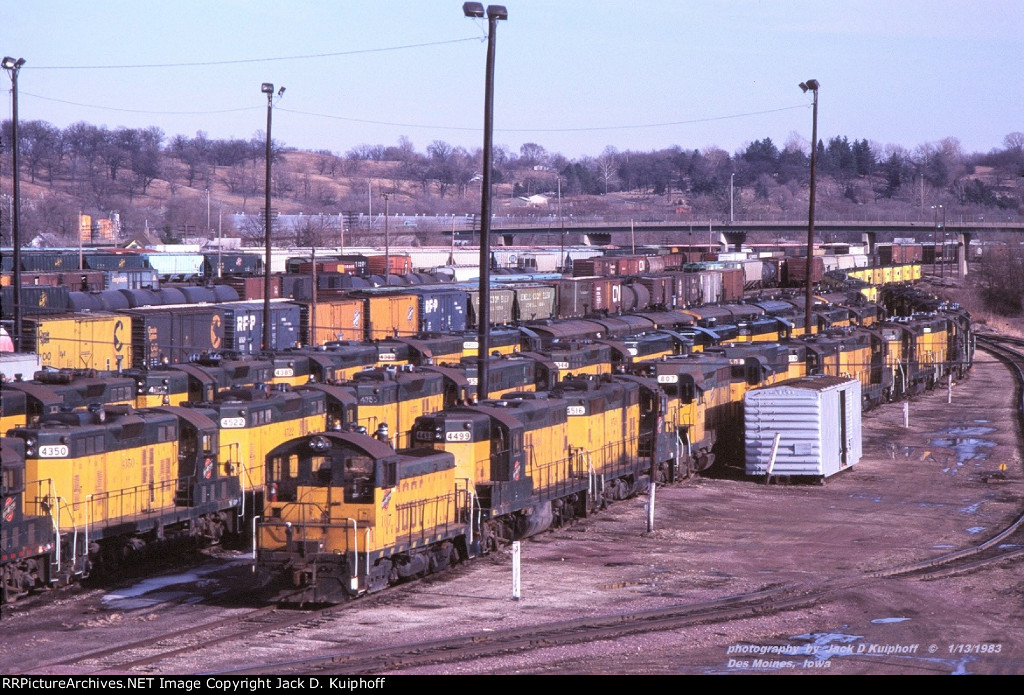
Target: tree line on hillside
<point>98,170</point>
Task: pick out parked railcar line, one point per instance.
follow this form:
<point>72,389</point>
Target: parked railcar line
<point>503,642</point>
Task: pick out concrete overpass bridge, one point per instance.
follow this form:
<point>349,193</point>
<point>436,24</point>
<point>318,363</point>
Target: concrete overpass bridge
<point>600,232</point>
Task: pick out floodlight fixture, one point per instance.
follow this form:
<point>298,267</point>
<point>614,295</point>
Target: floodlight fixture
<point>494,14</point>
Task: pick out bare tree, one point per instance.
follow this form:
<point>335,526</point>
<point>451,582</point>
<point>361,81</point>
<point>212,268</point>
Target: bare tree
<point>607,166</point>
<point>1001,278</point>
<point>317,231</point>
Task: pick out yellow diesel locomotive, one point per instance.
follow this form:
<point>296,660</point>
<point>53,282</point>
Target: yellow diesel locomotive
<point>350,515</point>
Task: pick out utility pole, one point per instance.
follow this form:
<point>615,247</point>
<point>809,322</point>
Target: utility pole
<point>387,238</point>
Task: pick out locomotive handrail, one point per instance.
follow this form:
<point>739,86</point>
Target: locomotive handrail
<point>449,499</point>
<point>60,499</point>
<point>51,503</point>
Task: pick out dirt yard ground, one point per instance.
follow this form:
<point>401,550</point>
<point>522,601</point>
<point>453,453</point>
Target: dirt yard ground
<point>917,493</point>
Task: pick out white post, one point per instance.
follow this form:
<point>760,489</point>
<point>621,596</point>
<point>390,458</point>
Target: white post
<point>906,413</point>
<point>771,458</point>
<point>516,571</point>
<point>254,520</point>
<point>949,387</point>
<point>650,508</point>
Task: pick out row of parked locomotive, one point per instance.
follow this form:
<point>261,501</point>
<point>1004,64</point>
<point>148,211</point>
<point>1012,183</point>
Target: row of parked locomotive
<point>353,516</point>
<point>215,421</point>
<point>112,480</point>
<point>174,354</point>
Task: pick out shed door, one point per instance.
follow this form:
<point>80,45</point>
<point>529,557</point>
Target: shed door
<point>843,448</point>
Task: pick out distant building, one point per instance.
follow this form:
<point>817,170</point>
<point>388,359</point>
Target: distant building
<point>535,201</point>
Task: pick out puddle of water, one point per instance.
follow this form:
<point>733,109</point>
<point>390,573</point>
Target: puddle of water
<point>971,509</point>
<point>882,621</point>
<point>132,596</point>
<point>968,431</point>
<point>865,496</point>
<point>820,647</point>
<point>833,645</point>
<point>944,546</point>
<point>975,530</point>
<point>967,446</point>
<point>825,645</point>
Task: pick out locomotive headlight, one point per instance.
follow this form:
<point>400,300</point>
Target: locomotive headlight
<point>30,441</point>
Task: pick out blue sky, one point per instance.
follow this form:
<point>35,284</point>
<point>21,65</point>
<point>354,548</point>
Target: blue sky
<point>571,76</point>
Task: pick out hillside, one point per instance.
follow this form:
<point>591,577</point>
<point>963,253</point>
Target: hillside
<point>189,187</point>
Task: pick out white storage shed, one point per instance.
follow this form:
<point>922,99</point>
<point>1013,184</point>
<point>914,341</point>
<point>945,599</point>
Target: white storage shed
<point>818,423</point>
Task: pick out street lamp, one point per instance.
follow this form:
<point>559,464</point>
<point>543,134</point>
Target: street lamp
<point>732,180</point>
<point>561,227</point>
<point>494,13</point>
<point>13,66</point>
<point>936,239</point>
<point>811,85</point>
<point>387,239</point>
<point>268,89</point>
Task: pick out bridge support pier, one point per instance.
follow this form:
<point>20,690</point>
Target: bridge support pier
<point>733,241</point>
<point>965,247</point>
<point>871,239</point>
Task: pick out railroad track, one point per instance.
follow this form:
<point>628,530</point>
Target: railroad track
<point>141,657</point>
<point>1007,545</point>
